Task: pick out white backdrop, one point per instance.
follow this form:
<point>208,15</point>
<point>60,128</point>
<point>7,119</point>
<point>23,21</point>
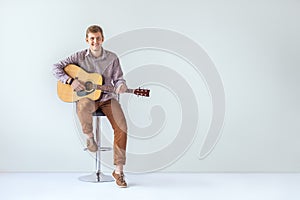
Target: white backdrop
<point>253,44</point>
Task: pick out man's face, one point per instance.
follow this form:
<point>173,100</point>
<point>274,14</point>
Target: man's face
<point>95,41</point>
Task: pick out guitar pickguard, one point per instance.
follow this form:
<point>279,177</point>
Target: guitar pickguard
<point>83,93</point>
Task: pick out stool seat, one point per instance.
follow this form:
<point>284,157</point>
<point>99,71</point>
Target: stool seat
<point>98,112</point>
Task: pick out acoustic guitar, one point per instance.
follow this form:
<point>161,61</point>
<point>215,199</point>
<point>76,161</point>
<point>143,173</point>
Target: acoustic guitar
<point>93,86</point>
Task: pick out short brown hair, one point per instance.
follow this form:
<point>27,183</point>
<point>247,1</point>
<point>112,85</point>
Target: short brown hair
<point>94,29</point>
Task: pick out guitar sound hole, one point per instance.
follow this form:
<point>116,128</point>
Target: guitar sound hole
<point>89,86</point>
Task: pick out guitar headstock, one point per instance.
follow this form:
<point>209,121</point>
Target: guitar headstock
<point>142,92</point>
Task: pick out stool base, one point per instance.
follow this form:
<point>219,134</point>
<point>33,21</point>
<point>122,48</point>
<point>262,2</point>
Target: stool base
<point>96,177</point>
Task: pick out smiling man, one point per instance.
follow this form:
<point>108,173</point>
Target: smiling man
<point>95,59</point>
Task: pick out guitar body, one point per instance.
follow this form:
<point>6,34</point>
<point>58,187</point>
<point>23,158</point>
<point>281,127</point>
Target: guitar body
<point>67,94</point>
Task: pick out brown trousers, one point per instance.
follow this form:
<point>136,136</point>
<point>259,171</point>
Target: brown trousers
<point>113,111</point>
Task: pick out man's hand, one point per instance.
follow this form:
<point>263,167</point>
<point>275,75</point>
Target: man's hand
<point>77,85</point>
<point>121,89</point>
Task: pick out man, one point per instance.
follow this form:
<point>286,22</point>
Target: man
<point>95,59</point>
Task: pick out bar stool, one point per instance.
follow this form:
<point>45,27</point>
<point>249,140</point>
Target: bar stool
<point>98,176</point>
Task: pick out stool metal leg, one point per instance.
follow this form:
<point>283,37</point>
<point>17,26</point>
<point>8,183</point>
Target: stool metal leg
<point>98,176</point>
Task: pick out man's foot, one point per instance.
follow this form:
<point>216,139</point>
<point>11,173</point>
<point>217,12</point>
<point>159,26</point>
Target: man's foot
<point>91,145</point>
<point>119,179</point>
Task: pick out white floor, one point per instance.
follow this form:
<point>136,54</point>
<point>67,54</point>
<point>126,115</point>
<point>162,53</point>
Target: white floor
<point>64,186</point>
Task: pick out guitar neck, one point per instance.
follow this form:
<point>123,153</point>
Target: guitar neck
<point>130,91</point>
<point>105,88</point>
<point>110,89</point>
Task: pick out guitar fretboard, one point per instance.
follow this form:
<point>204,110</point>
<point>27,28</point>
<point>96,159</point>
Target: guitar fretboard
<point>130,91</point>
<point>108,88</point>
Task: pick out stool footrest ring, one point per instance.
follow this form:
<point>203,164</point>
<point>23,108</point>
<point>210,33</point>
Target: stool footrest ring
<point>105,148</point>
<point>100,149</point>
